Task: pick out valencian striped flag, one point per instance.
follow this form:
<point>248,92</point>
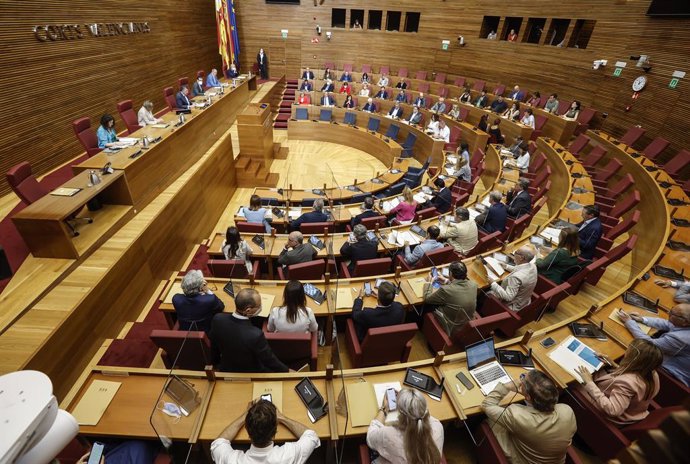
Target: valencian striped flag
<point>228,39</point>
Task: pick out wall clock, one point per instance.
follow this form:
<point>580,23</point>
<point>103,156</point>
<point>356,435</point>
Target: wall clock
<point>639,83</point>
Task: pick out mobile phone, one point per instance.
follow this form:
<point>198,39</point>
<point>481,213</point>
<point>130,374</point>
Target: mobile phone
<point>434,272</point>
<point>367,288</point>
<point>464,380</point>
<point>392,399</point>
<point>547,342</point>
<point>96,453</point>
<point>267,397</point>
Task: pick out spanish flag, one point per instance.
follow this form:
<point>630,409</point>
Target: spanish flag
<point>228,39</point>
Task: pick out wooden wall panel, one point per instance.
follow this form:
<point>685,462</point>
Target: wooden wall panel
<point>621,30</point>
<point>53,83</point>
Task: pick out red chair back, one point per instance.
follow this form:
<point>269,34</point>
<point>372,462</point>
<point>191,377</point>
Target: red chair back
<point>200,74</point>
<point>294,349</point>
<point>366,68</point>
<point>347,67</point>
<point>420,75</point>
<point>192,349</point>
<point>182,81</point>
<point>86,135</point>
<point>672,391</point>
<point>677,163</point>
<point>387,344</point>
<point>128,116</point>
<point>476,158</point>
<point>443,92</point>
<point>626,205</point>
<point>311,270</point>
<point>330,65</point>
<point>518,227</point>
<point>372,267</point>
<point>594,156</point>
<point>632,135</point>
<point>24,184</point>
<point>250,227</point>
<point>440,78</point>
<point>611,256</point>
<point>563,106</point>
<point>655,147</point>
<point>585,116</point>
<point>609,170</point>
<point>620,187</point>
<point>464,112</point>
<point>230,268</point>
<point>370,222</point>
<point>499,90</point>
<point>623,226</point>
<point>578,144</point>
<point>423,87</point>
<point>487,242</point>
<point>169,97</point>
<point>437,257</point>
<point>459,82</point>
<point>387,71</point>
<point>424,214</point>
<point>539,122</point>
<point>478,329</point>
<point>478,85</point>
<point>311,228</point>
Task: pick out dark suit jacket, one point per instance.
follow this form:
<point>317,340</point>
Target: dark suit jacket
<point>366,214</point>
<point>232,74</point>
<point>499,107</point>
<point>496,218</point>
<point>420,102</point>
<point>381,94</point>
<point>371,318</point>
<point>369,107</point>
<point>238,346</point>
<point>345,78</point>
<point>311,216</point>
<point>308,75</point>
<point>302,253</point>
<point>519,95</point>
<point>327,87</point>
<point>306,86</point>
<point>401,85</point>
<point>396,114</point>
<point>442,200</point>
<point>589,237</point>
<point>361,250</point>
<point>199,308</point>
<point>520,205</point>
<point>197,89</point>
<point>481,101</point>
<point>258,60</point>
<point>181,101</point>
<point>331,101</point>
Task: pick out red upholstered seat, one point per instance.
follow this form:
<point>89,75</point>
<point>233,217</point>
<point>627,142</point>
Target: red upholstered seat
<point>655,148</point>
<point>478,85</point>
<point>250,227</point>
<point>539,122</point>
<point>128,116</point>
<point>366,68</point>
<point>594,156</point>
<point>294,349</point>
<point>182,81</point>
<point>672,391</point>
<point>474,331</point>
<point>24,184</point>
<point>678,163</point>
<point>347,67</point>
<point>201,74</point>
<point>311,270</point>
<point>578,144</point>
<point>632,135</point>
<point>317,228</point>
<point>232,268</point>
<point>169,97</point>
<point>330,65</point>
<point>583,119</point>
<point>86,135</point>
<point>186,349</point>
<point>443,255</point>
<point>424,88</point>
<point>367,267</point>
<point>387,71</point>
<point>459,82</point>
<point>381,345</point>
<point>440,78</point>
<point>499,90</point>
<point>420,75</point>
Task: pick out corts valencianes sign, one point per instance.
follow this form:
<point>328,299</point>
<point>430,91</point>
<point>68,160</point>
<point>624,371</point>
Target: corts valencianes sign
<point>56,32</point>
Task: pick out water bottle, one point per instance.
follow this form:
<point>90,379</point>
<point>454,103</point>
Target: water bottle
<point>94,179</point>
<point>145,142</point>
<point>181,118</point>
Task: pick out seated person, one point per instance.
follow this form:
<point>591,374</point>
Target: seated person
<point>516,145</point>
<point>402,84</point>
<point>512,113</point>
<point>346,77</point>
<point>439,106</point>
<point>369,106</point>
<point>239,346</point>
<point>573,112</point>
<point>466,96</point>
<point>623,393</point>
<point>515,291</point>
<point>261,420</point>
<point>349,102</point>
<point>521,159</point>
<point>499,105</point>
<point>492,35</point>
<point>356,24</point>
<point>346,88</point>
<point>365,78</point>
<point>234,247</point>
<point>317,215</point>
<point>462,234</point>
<point>182,101</point>
<point>327,99</point>
<point>494,218</point>
<point>328,86</point>
<point>551,105</point>
<point>106,135</point>
<point>382,93</point>
<point>518,199</point>
<point>396,111</point>
<point>462,169</point>
<point>304,99</point>
<point>383,81</point>
<point>431,243</point>
<point>672,337</point>
<point>455,300</point>
<point>358,247</point>
<point>387,312</point>
<point>196,305</point>
<point>198,88</point>
<point>528,118</point>
<point>405,210</point>
<point>589,230</point>
<point>512,37</point>
<point>441,198</point>
<point>415,116</point>
<point>682,287</point>
<point>295,251</point>
<point>212,79</point>
<point>442,131</point>
<point>294,315</point>
<point>481,100</point>
<point>534,100</point>
<point>420,101</point>
<point>539,430</point>
<point>495,131</point>
<point>367,211</point>
<point>328,74</point>
<point>306,86</point>
<point>401,97</point>
<point>364,91</point>
<point>308,74</point>
<point>432,127</point>
<point>145,115</point>
<point>416,437</point>
<point>563,259</point>
<point>454,111</point>
<point>517,94</point>
<point>255,213</point>
<point>483,124</point>
<point>232,73</point>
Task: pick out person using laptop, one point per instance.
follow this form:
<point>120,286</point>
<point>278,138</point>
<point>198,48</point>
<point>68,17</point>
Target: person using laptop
<point>484,367</point>
<point>261,420</point>
<point>516,288</point>
<point>455,300</point>
<point>539,430</point>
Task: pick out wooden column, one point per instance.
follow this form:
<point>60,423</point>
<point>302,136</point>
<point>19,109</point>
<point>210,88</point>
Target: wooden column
<point>255,133</point>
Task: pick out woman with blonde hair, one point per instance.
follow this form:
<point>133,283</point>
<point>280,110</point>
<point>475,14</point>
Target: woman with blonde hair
<point>416,438</point>
<point>623,392</point>
<point>404,212</point>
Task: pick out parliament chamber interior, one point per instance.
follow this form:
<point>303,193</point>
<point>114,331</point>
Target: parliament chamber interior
<point>295,231</point>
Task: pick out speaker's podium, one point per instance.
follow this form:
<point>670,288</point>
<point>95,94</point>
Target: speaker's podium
<point>255,131</point>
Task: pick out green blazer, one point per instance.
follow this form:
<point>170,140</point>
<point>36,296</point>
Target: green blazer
<point>555,264</point>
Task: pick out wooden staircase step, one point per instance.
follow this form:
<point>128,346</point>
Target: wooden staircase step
<point>242,162</point>
<point>279,151</point>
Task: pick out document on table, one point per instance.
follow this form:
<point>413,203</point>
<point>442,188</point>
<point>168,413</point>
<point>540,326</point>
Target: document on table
<point>399,238</point>
<point>266,304</point>
<point>389,205</point>
<point>572,353</point>
<point>551,233</point>
<point>343,298</point>
<point>95,401</point>
<point>65,192</point>
<point>175,288</point>
<point>364,399</point>
<point>417,285</point>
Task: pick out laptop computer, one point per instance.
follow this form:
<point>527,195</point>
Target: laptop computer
<point>483,366</point>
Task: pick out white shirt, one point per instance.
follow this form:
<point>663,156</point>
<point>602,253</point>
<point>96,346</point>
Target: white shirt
<point>528,120</point>
<point>289,453</point>
<point>383,82</point>
<point>432,127</point>
<point>364,93</point>
<point>584,223</point>
<point>442,133</point>
<point>145,117</point>
<point>277,321</point>
<point>388,441</point>
<point>522,162</point>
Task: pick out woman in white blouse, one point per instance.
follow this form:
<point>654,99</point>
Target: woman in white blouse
<point>364,91</point>
<point>234,247</point>
<point>145,115</point>
<point>528,118</point>
<point>416,437</point>
<point>513,112</point>
<point>294,315</point>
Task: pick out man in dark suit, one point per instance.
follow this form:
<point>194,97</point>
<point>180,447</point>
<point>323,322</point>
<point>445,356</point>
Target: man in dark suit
<point>420,101</point>
<point>346,77</point>
<point>359,248</point>
<point>306,86</point>
<point>519,200</point>
<point>387,311</point>
<point>308,74</point>
<point>237,345</point>
<point>589,231</point>
<point>262,61</point>
<point>416,116</point>
<point>482,100</point>
<point>401,85</point>
<point>382,93</point>
<point>197,305</point>
<point>295,251</point>
<point>499,105</point>
<point>442,198</point>
<point>369,107</point>
<point>494,218</point>
<point>396,111</point>
<point>328,86</point>
<point>182,98</point>
<point>517,94</point>
<point>327,99</point>
<point>198,88</point>
<point>368,207</point>
<point>316,215</point>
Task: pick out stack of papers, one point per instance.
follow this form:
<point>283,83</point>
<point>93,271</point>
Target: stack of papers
<point>389,205</point>
<point>128,141</point>
<point>399,238</point>
<point>551,233</point>
<point>160,126</point>
<point>450,171</point>
<point>494,266</point>
<point>473,213</point>
<point>486,202</point>
<point>421,197</point>
<point>294,213</point>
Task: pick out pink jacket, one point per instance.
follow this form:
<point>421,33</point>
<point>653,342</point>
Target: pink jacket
<point>404,211</point>
<point>621,397</point>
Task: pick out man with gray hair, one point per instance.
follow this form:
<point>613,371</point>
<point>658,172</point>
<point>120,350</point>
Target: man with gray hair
<point>197,305</point>
<point>519,200</point>
<point>358,247</point>
<point>516,288</point>
<point>295,251</point>
<point>462,234</point>
<point>368,211</point>
<point>494,218</point>
<point>317,215</point>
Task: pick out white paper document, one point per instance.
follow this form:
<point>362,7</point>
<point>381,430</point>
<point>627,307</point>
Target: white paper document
<point>572,353</point>
<point>551,233</point>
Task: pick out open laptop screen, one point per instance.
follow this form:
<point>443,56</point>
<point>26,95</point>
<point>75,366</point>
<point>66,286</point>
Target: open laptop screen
<point>479,353</point>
